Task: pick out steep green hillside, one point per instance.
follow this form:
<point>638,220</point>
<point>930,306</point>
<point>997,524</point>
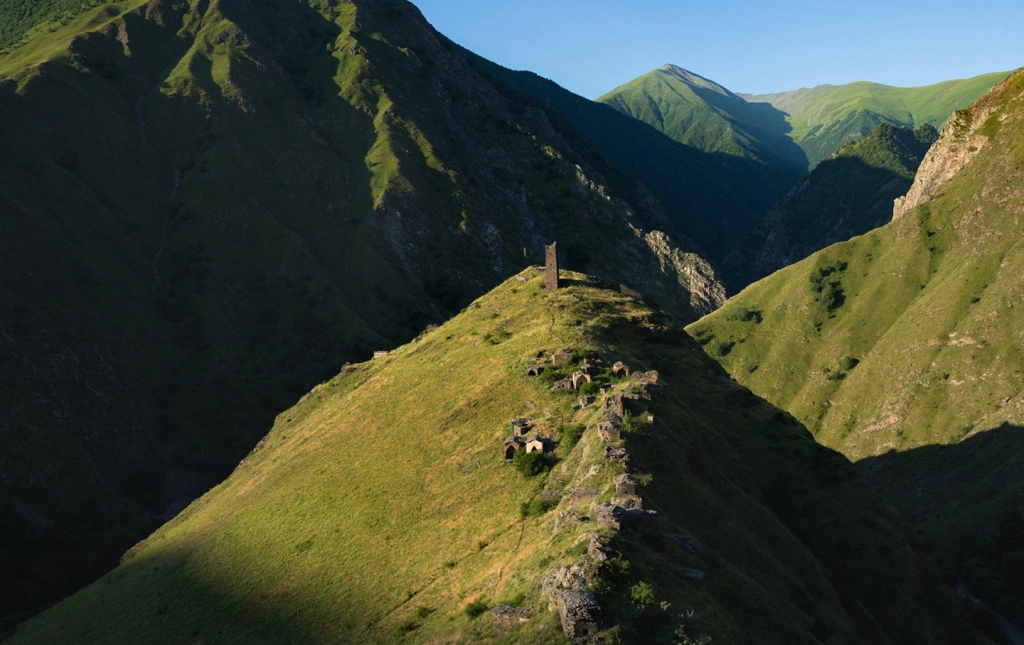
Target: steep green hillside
<point>902,348</point>
<point>210,206</point>
<point>848,194</point>
<point>825,117</point>
<point>712,197</point>
<point>694,110</point>
<point>379,510</point>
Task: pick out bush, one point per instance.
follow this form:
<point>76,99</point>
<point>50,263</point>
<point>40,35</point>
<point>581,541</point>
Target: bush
<point>529,463</point>
<point>718,348</point>
<point>589,388</point>
<point>476,608</point>
<point>642,593</point>
<point>742,314</point>
<point>537,507</point>
<point>407,626</point>
<point>848,362</point>
<point>571,434</point>
<point>422,612</point>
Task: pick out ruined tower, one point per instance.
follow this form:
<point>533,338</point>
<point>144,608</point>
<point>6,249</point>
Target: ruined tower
<point>551,267</point>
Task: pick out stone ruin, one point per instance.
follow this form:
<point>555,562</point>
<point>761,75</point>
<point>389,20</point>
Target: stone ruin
<point>620,369</point>
<point>580,614</point>
<point>613,407</point>
<point>584,401</point>
<point>578,377</point>
<point>562,384</point>
<point>609,431</point>
<point>645,378</point>
<point>534,443</point>
<point>559,359</point>
<point>625,484</point>
<point>379,354</point>
<point>510,446</point>
<point>506,617</point>
<point>534,370</point>
<point>551,267</point>
<point>520,426</point>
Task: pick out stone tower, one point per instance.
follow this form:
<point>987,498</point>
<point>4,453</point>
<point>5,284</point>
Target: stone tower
<point>551,267</point>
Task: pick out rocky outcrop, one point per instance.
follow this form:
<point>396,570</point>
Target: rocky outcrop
<point>959,142</point>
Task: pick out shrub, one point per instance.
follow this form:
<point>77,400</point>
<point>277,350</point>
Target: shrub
<point>589,388</point>
<point>718,348</point>
<point>642,593</point>
<point>407,626</point>
<point>422,612</point>
<point>742,314</point>
<point>529,463</point>
<point>476,608</point>
<point>536,507</point>
<point>571,434</point>
<point>848,362</point>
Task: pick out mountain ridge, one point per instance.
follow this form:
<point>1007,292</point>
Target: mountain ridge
<point>899,348</point>
<point>437,530</point>
<point>215,205</point>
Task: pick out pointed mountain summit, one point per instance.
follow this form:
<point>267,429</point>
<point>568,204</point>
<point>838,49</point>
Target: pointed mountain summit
<point>666,504</point>
<point>697,111</point>
<point>211,206</point>
<point>746,141</point>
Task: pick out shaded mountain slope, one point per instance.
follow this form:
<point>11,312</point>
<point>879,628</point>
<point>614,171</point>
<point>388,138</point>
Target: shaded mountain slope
<point>712,196</point>
<point>846,195</point>
<point>909,337</point>
<point>378,509</point>
<point>825,117</point>
<point>210,206</point>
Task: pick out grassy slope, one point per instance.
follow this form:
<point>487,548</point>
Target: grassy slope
<point>848,194</point>
<point>210,206</point>
<point>382,491</point>
<point>824,118</point>
<point>699,112</point>
<point>930,309</point>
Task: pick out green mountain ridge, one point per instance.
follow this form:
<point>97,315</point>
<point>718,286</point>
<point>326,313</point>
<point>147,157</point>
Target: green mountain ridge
<point>901,348</point>
<point>826,117</point>
<point>848,194</point>
<point>378,509</point>
<point>210,206</point>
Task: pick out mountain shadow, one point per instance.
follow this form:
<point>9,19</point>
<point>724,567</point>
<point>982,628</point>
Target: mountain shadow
<point>712,197</point>
<point>847,195</point>
<point>210,207</point>
<point>967,502</point>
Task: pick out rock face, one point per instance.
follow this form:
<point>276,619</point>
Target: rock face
<point>959,142</point>
<point>580,614</point>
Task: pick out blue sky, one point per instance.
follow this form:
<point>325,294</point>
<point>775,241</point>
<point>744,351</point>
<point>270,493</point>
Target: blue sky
<point>592,46</point>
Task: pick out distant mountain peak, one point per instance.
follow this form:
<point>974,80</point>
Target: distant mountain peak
<point>691,78</point>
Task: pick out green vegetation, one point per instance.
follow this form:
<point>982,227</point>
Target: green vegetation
<point>931,311</point>
<point>826,117</point>
<point>529,464</point>
<point>390,476</point>
<point>846,195</point>
<point>209,207</point>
